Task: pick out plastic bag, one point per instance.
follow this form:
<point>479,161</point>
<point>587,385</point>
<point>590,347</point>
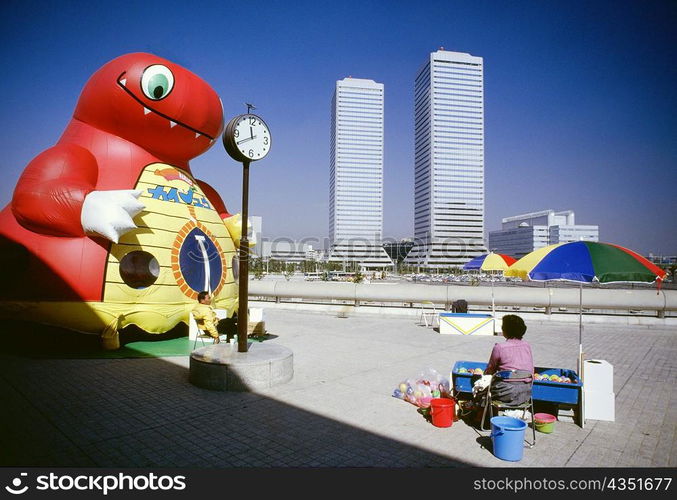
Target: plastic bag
<point>422,388</point>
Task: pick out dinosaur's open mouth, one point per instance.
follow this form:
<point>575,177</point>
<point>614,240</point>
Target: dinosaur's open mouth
<point>171,122</point>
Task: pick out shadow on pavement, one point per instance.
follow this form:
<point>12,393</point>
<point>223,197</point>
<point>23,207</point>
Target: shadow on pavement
<point>145,413</point>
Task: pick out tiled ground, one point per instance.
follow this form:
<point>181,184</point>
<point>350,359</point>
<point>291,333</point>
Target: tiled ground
<point>336,412</point>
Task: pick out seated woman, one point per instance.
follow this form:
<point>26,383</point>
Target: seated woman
<point>513,354</point>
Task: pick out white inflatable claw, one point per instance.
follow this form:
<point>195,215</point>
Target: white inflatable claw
<point>109,213</point>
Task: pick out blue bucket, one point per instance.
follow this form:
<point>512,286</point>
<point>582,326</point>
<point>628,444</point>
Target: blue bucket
<point>507,436</point>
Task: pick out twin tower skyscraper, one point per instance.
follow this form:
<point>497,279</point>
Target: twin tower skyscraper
<point>448,166</point>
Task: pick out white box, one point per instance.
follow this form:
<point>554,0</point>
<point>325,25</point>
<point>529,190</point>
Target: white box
<point>599,405</point>
<point>255,314</point>
<point>598,375</point>
<point>466,324</point>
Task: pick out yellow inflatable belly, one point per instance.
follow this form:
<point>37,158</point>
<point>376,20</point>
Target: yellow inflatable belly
<point>180,248</point>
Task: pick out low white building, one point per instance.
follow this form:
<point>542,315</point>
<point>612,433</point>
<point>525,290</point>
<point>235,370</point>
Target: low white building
<point>369,256</point>
<point>286,250</point>
<point>521,234</point>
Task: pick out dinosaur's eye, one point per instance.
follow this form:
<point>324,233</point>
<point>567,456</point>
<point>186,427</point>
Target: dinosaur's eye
<point>157,82</point>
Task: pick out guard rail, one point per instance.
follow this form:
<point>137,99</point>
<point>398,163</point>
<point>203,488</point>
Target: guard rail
<point>548,297</point>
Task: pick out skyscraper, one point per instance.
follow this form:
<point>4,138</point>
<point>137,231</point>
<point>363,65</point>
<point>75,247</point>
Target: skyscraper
<point>448,161</point>
<point>356,174</point>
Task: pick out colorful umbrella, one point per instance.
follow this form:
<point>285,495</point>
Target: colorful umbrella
<point>490,262</point>
<point>585,262</point>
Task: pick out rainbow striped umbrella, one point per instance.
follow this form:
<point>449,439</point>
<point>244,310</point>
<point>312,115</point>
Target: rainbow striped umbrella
<point>490,262</point>
<point>585,262</point>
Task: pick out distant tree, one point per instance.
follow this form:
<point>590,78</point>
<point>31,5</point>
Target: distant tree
<point>276,266</point>
<point>255,264</point>
<point>406,269</point>
<point>308,266</point>
<point>289,271</point>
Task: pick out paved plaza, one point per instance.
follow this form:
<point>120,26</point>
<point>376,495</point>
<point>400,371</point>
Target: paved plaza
<point>337,411</point>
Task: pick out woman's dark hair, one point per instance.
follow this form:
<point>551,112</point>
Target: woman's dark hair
<point>201,296</point>
<point>459,306</point>
<point>513,326</point>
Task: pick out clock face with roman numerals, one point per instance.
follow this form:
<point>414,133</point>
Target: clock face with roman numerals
<point>247,138</point>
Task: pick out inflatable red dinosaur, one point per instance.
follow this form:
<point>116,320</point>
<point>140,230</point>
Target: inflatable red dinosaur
<point>109,227</point>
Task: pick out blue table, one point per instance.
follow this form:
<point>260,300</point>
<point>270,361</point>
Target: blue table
<point>562,394</point>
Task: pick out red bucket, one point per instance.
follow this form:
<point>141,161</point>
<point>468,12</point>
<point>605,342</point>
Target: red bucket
<point>442,411</point>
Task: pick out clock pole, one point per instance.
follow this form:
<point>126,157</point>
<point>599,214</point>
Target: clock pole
<point>243,306</point>
<point>249,144</point>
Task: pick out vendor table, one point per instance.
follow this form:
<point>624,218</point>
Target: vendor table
<point>563,395</point>
<point>466,324</point>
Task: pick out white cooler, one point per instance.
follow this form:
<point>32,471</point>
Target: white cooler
<point>598,386</point>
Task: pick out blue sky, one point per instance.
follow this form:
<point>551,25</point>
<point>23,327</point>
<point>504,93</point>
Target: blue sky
<point>580,104</point>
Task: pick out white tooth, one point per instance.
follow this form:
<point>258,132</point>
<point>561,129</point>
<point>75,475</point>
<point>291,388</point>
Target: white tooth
<point>172,124</point>
<point>123,82</point>
<point>197,134</point>
<point>146,111</point>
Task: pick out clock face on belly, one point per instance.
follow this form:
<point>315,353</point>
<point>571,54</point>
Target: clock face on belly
<point>180,247</point>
